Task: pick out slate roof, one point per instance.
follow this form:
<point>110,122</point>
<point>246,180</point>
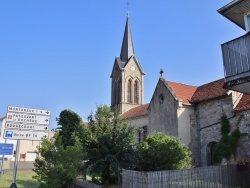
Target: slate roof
<point>136,111</point>
<point>244,103</point>
<point>182,91</point>
<point>209,91</point>
<point>127,49</point>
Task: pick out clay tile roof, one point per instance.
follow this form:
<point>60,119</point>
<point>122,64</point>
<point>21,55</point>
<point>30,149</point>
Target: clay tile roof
<point>85,123</point>
<point>182,91</point>
<point>209,91</point>
<point>244,103</point>
<point>135,112</point>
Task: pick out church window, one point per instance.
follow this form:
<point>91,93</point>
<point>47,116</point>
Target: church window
<point>129,92</point>
<point>114,89</point>
<point>142,134</point>
<point>161,98</point>
<point>119,92</point>
<point>136,92</point>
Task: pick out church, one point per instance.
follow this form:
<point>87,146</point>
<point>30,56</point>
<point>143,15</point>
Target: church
<point>190,113</point>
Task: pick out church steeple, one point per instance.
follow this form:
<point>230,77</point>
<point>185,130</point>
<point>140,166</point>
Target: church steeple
<point>127,49</point>
<point>127,76</point>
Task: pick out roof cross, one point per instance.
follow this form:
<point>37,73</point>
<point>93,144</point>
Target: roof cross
<point>161,72</point>
<point>127,8</point>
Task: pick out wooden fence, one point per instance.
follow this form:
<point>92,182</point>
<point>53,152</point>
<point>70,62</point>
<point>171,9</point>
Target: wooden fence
<point>202,177</point>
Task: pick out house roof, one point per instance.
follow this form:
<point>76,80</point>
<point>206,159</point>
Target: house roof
<point>209,91</point>
<point>136,111</point>
<point>85,123</point>
<point>235,11</point>
<point>182,91</point>
<point>244,103</point>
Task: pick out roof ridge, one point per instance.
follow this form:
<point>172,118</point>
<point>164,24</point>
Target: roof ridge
<point>181,83</point>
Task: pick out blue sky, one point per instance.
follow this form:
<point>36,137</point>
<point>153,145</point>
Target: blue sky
<point>58,55</point>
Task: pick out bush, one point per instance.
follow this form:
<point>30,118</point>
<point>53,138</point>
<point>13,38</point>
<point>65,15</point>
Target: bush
<point>162,152</point>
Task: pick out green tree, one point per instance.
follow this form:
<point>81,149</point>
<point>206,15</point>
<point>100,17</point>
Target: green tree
<point>57,166</point>
<point>109,144</point>
<point>71,123</point>
<point>162,152</point>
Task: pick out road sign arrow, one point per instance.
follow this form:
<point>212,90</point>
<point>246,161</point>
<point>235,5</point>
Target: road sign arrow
<point>26,118</point>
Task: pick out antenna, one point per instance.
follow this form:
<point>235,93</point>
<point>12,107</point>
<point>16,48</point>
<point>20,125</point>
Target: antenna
<point>127,8</point>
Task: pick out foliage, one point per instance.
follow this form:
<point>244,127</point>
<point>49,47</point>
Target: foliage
<point>221,150</point>
<point>109,144</point>
<point>162,152</point>
<point>225,125</point>
<point>57,166</point>
<point>228,143</point>
<point>233,141</point>
<point>71,123</point>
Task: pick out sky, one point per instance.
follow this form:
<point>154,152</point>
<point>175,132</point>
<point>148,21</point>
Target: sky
<point>58,54</point>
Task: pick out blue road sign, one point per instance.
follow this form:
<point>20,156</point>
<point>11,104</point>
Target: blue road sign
<point>6,149</point>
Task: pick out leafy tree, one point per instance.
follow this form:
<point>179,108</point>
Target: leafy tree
<point>162,152</point>
<point>57,166</point>
<point>71,123</point>
<point>109,144</point>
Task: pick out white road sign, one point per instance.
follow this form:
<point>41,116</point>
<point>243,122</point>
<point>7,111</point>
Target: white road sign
<point>23,126</point>
<point>27,118</point>
<point>24,135</point>
<point>28,110</point>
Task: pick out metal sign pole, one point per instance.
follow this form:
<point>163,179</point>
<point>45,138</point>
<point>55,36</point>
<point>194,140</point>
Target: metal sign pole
<point>13,185</point>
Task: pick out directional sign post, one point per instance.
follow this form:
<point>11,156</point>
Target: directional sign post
<point>28,110</point>
<point>24,135</point>
<point>25,124</point>
<point>6,149</point>
<point>25,127</point>
<point>27,118</point>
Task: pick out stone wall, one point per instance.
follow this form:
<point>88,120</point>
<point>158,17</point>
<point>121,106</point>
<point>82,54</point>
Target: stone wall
<point>163,111</point>
<point>208,120</point>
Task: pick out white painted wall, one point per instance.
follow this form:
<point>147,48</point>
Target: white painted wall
<point>184,124</point>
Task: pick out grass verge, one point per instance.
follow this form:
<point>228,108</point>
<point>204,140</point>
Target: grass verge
<point>23,179</point>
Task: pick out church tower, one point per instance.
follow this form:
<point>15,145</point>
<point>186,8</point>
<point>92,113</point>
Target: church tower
<point>127,90</point>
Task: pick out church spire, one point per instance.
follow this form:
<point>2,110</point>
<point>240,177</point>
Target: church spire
<point>127,44</point>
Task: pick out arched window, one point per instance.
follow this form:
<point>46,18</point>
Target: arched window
<point>119,91</point>
<point>210,153</point>
<point>136,92</point>
<point>117,94</point>
<point>114,97</point>
<point>129,91</point>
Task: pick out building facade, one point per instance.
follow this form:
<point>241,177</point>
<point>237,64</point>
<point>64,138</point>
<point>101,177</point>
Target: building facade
<point>190,113</point>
